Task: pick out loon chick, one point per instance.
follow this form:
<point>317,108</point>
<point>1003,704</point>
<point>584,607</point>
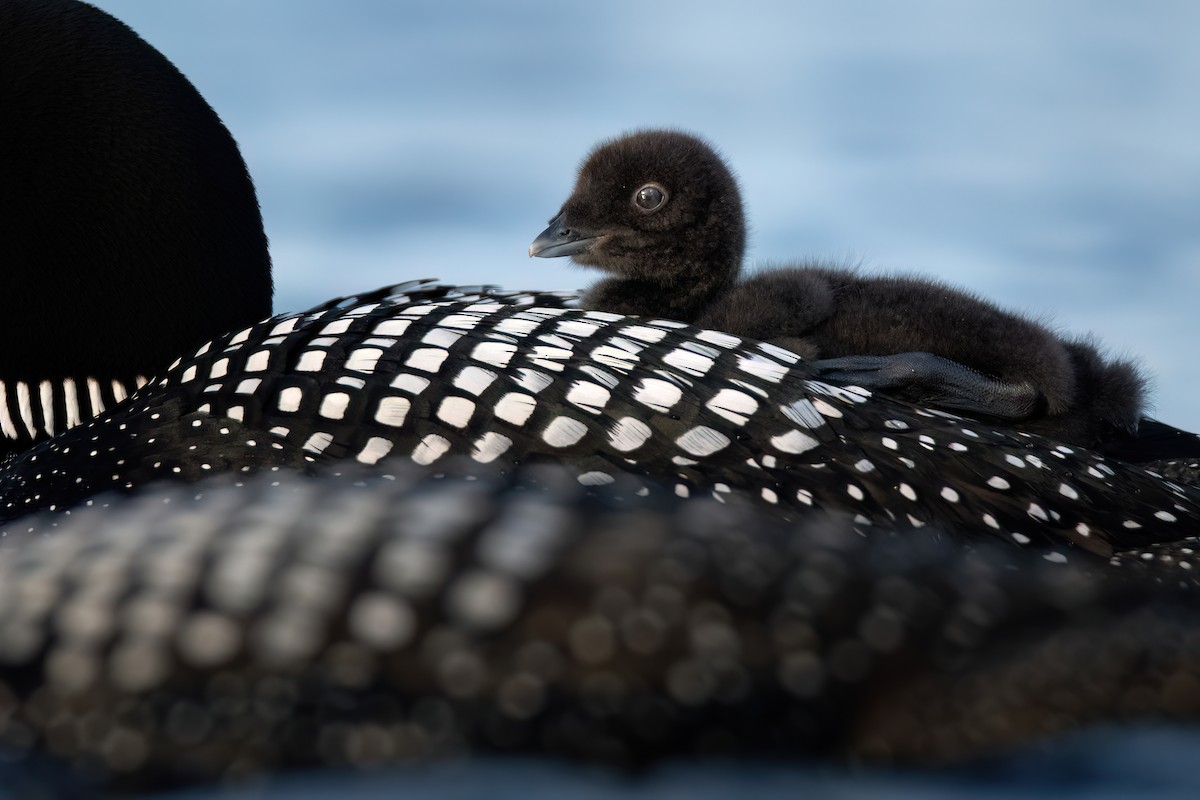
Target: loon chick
<point>661,212</point>
<point>126,209</point>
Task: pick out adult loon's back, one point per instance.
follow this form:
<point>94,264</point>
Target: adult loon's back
<point>414,372</point>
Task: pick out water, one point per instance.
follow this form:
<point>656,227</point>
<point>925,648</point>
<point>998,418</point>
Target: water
<point>1044,155</point>
<point>1150,763</point>
<point>1100,765</point>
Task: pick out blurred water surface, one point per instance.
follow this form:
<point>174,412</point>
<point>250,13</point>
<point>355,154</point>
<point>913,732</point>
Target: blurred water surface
<point>1105,764</point>
<point>1045,155</point>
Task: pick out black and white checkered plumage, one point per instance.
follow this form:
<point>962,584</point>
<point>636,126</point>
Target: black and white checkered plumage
<point>422,373</point>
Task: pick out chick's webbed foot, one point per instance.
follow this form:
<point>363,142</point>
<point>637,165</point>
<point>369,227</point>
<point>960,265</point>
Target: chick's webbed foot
<point>931,380</point>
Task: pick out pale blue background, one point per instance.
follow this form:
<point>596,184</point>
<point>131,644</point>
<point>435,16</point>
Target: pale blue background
<point>1045,154</point>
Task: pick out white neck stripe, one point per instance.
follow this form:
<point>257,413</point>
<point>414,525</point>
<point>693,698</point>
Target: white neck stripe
<point>35,416</point>
<point>6,423</point>
<point>26,407</point>
<point>47,391</point>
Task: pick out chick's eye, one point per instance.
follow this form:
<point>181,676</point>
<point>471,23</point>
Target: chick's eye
<point>650,197</point>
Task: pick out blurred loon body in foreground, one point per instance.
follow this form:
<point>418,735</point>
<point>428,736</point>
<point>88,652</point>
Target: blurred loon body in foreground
<point>223,629</point>
<point>708,548</point>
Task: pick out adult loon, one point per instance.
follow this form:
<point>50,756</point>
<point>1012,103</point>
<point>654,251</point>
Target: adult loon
<point>390,616</point>
<point>661,212</point>
<point>427,372</point>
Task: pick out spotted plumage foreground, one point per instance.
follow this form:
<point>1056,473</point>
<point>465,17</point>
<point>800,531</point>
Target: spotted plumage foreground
<point>422,373</point>
<point>219,629</point>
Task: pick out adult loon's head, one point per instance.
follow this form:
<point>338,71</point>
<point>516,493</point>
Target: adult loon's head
<point>126,208</point>
<point>658,209</point>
